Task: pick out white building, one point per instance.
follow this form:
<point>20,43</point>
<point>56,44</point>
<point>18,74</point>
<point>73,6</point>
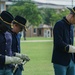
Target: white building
<point>2,5</point>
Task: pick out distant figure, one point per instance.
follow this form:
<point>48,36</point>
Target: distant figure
<point>24,34</point>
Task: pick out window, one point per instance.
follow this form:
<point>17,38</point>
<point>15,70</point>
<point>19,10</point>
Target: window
<point>35,30</point>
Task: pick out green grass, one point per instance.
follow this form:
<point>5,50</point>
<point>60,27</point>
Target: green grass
<point>40,57</point>
<point>36,38</point>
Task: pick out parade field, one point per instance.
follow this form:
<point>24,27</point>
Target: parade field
<point>40,56</point>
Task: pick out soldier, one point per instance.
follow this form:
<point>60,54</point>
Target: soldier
<point>5,59</point>
<point>63,57</point>
<point>18,25</point>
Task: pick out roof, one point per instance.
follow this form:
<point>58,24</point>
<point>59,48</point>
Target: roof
<point>44,26</point>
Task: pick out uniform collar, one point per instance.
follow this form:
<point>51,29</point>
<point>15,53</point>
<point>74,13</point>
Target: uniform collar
<point>64,18</point>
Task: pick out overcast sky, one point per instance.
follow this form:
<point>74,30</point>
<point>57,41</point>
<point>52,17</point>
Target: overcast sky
<point>61,2</point>
<point>53,0</point>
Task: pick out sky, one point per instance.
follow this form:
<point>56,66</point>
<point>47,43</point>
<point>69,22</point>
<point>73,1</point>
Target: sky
<point>52,0</point>
<point>59,2</point>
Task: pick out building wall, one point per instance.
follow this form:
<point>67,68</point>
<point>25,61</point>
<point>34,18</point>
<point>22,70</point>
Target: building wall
<point>2,6</point>
<point>41,32</point>
<point>30,32</point>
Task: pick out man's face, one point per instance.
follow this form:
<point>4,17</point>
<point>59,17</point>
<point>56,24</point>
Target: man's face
<point>17,28</point>
<point>20,27</point>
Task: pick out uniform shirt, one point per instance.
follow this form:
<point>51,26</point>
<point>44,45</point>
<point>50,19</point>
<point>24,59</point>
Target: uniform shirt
<point>18,40</point>
<point>63,36</point>
<point>3,51</point>
<point>8,37</point>
<point>14,43</point>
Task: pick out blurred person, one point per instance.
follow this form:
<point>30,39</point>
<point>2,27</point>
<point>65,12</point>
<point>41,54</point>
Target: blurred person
<point>5,58</point>
<point>63,57</point>
<point>24,34</point>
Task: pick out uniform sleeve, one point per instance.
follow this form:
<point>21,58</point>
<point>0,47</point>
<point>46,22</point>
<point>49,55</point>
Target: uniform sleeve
<point>59,44</point>
<point>2,59</point>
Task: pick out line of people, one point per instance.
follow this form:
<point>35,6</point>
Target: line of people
<point>9,43</point>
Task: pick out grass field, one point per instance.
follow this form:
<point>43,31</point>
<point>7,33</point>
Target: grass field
<point>40,57</point>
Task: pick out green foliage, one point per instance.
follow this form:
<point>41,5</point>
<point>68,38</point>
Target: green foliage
<point>46,15</point>
<point>50,16</point>
<point>28,10</point>
<point>35,16</point>
<point>32,13</point>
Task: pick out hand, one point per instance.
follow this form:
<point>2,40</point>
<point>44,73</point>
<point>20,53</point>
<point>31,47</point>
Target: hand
<point>23,56</point>
<point>71,49</point>
<point>13,60</point>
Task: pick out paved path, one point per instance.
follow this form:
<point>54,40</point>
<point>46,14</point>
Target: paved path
<point>36,40</point>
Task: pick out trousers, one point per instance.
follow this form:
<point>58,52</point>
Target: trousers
<point>18,71</point>
<point>6,72</point>
<point>64,70</point>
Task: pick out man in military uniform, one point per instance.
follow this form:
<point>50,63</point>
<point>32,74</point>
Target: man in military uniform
<point>63,57</point>
<point>18,25</point>
<point>5,58</point>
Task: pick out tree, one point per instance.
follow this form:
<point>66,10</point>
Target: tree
<point>50,16</point>
<point>57,15</point>
<point>28,10</point>
<point>46,15</point>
